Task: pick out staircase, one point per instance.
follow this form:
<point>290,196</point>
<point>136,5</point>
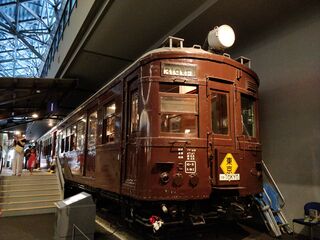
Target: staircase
<point>29,194</point>
<point>271,203</point>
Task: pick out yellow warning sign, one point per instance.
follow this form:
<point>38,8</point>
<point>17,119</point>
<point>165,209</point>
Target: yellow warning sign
<point>229,164</point>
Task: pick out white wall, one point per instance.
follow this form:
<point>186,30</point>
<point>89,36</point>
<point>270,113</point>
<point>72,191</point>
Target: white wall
<point>287,61</point>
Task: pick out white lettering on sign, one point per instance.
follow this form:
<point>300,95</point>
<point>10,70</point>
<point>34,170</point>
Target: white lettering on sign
<point>179,70</point>
<point>190,167</point>
<point>229,177</point>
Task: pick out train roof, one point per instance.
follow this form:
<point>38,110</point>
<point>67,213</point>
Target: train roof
<point>193,52</point>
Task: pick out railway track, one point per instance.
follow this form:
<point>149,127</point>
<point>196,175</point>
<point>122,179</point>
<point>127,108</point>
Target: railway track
<point>223,230</point>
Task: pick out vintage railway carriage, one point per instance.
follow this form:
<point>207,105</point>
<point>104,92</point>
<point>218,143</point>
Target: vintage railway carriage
<point>170,136</point>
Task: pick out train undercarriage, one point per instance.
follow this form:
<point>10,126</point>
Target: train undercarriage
<point>158,215</point>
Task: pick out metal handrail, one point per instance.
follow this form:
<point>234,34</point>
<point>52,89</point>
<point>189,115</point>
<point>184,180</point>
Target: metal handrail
<point>60,175</point>
<point>1,163</point>
<point>267,172</point>
<point>74,228</point>
<point>63,21</point>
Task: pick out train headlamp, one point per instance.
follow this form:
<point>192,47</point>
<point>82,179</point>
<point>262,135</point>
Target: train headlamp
<point>194,180</point>
<point>178,180</point>
<point>164,178</point>
<point>221,37</point>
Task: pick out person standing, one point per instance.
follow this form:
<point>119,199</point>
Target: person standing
<point>18,156</point>
<point>32,160</point>
<point>27,153</point>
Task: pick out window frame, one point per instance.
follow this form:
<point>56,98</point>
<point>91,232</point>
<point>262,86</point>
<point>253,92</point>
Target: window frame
<point>255,120</point>
<point>92,140</point>
<point>227,94</point>
<point>133,92</point>
<point>180,95</point>
<point>106,118</point>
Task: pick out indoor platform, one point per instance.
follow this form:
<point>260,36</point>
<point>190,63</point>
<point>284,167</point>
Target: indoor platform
<point>41,227</point>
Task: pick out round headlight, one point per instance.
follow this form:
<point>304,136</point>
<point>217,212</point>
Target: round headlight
<point>178,180</point>
<point>164,178</point>
<point>221,37</point>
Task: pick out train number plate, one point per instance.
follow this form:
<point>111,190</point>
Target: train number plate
<point>229,177</point>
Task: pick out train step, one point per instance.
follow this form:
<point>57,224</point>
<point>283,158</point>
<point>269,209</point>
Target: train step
<point>270,203</point>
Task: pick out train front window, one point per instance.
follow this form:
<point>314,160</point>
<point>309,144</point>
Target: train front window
<point>248,115</point>
<point>179,109</point>
<point>219,113</point>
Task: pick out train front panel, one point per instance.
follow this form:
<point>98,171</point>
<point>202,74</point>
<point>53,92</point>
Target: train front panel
<point>197,129</point>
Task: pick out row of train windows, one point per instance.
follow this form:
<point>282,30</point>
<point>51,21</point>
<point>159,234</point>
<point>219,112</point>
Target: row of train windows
<point>220,119</point>
<point>179,115</point>
<point>74,138</point>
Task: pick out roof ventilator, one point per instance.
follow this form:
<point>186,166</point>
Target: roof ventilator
<point>173,42</point>
<point>245,61</point>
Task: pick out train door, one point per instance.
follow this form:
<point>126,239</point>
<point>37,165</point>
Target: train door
<point>91,143</point>
<point>132,132</point>
<point>222,132</point>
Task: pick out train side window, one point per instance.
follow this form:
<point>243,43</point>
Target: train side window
<point>67,144</point>
<point>81,131</point>
<point>109,121</point>
<point>248,118</point>
<point>219,113</point>
<point>62,145</point>
<point>73,138</point>
<point>178,109</point>
<point>134,111</point>
<point>92,129</point>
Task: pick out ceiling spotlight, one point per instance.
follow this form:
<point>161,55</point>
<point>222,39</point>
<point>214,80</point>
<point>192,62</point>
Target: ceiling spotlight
<point>35,115</point>
<point>221,37</point>
<point>38,91</point>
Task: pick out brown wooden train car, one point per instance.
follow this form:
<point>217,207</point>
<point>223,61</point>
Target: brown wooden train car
<point>170,136</point>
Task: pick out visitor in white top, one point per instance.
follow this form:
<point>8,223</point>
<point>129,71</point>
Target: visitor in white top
<point>18,156</point>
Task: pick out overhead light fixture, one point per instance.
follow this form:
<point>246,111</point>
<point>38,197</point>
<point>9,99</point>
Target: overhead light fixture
<point>34,115</point>
<point>38,91</point>
<point>221,37</point>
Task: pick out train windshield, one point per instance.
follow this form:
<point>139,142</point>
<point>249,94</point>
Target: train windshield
<point>248,115</point>
<point>219,113</point>
<point>179,111</point>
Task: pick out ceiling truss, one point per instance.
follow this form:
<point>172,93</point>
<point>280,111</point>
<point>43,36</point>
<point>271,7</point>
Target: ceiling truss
<point>26,30</point>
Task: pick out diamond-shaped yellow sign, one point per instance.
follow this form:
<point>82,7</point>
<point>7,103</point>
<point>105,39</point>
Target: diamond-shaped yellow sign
<point>229,165</point>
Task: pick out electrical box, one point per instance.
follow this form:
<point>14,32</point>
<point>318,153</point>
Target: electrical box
<point>75,216</point>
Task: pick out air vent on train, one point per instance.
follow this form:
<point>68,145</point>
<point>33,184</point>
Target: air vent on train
<point>252,86</point>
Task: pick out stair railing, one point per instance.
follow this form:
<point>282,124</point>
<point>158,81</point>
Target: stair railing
<point>60,174</point>
<point>268,174</point>
<point>74,228</point>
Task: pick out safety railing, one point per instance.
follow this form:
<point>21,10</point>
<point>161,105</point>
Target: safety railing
<point>74,228</point>
<point>60,174</point>
<point>271,180</point>
<point>64,20</point>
